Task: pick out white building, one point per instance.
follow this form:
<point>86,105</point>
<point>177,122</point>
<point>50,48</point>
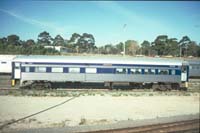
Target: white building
<point>58,48</point>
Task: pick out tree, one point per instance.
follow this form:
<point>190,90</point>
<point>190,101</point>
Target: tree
<point>184,42</point>
<point>82,43</point>
<point>30,42</point>
<point>159,44</point>
<point>172,47</point>
<point>192,49</point>
<point>74,38</point>
<point>44,38</point>
<point>3,40</point>
<point>86,42</point>
<point>58,41</point>
<point>119,47</point>
<point>73,42</point>
<point>198,50</point>
<point>110,49</point>
<point>145,47</point>
<point>13,40</point>
<point>132,47</point>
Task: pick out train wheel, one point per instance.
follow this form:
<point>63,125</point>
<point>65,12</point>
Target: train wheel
<point>47,85</point>
<point>160,87</point>
<point>175,86</point>
<point>33,86</point>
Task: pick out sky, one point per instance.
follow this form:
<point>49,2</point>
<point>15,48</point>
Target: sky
<point>108,21</point>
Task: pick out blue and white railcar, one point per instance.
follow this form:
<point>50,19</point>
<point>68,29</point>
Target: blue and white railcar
<point>194,68</point>
<point>50,69</point>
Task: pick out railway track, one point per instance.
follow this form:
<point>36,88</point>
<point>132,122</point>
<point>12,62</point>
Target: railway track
<point>191,126</point>
<point>192,82</point>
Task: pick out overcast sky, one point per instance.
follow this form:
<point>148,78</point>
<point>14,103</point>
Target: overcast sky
<point>108,21</point>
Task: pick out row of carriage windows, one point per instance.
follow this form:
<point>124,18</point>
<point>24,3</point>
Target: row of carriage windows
<point>195,67</point>
<point>99,70</point>
<point>146,71</point>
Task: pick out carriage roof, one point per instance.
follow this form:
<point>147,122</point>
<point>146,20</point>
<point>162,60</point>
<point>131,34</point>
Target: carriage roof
<point>99,59</point>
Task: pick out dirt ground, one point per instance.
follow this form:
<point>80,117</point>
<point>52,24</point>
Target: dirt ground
<point>91,110</point>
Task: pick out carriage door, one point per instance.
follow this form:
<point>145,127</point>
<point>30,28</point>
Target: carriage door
<point>184,73</point>
<point>17,70</point>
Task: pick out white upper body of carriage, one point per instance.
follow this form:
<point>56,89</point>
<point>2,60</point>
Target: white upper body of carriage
<point>100,60</point>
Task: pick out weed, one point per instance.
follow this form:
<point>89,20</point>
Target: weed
<point>187,94</point>
<point>83,121</point>
<point>39,122</point>
<point>125,94</point>
<point>150,94</point>
<point>31,120</point>
<point>101,94</point>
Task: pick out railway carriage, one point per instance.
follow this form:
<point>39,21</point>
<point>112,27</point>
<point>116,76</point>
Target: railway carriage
<point>194,68</point>
<point>156,72</point>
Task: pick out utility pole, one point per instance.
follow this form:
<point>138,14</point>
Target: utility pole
<point>124,51</point>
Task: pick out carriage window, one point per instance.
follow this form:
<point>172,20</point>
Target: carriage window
<point>173,72</point>
<point>136,71</point>
<point>121,70</point>
<point>152,71</point>
<point>132,71</point>
<point>40,69</point>
<point>91,70</point>
<point>27,69</point>
<point>57,69</point>
<point>146,71</point>
<point>163,72</point>
<point>193,67</point>
<point>74,70</point>
<point>149,71</point>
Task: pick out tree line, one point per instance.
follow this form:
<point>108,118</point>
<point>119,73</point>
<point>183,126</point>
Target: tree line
<point>85,43</point>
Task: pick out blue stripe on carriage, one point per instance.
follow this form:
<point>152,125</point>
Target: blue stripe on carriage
<point>32,69</point>
<point>48,69</point>
<point>156,71</point>
<point>142,71</point>
<point>105,70</point>
<point>22,69</point>
<point>129,71</point>
<point>82,70</point>
<point>65,70</point>
<point>178,72</point>
<point>170,72</point>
